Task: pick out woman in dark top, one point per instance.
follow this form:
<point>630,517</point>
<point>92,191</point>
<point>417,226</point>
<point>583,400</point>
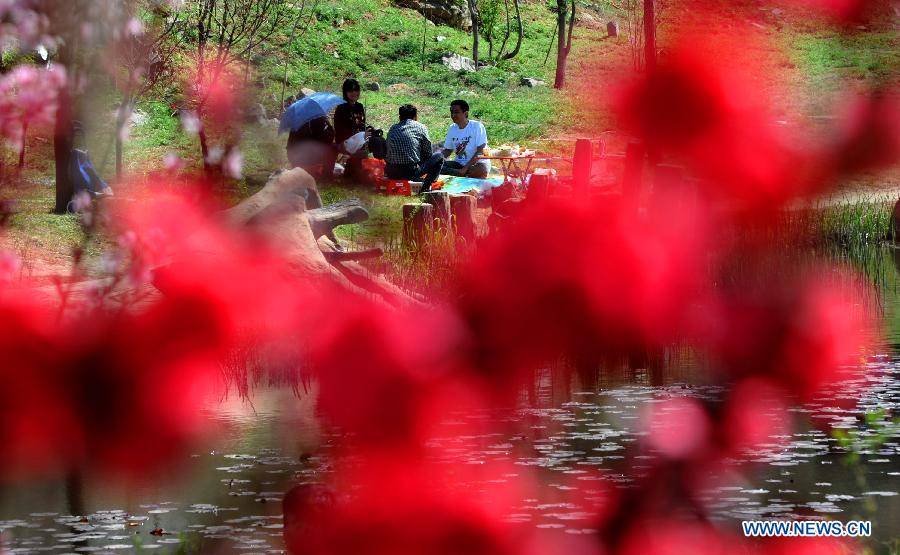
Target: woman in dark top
<point>350,119</point>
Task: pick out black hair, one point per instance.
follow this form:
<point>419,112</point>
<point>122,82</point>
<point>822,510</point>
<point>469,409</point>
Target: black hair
<point>349,86</point>
<point>463,105</point>
<point>408,111</point>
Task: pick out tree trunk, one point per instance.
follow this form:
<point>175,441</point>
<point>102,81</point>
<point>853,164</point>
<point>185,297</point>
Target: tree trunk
<point>418,221</point>
<point>424,36</point>
<point>121,119</point>
<point>440,200</point>
<point>506,33</point>
<point>462,208</point>
<point>21,165</point>
<point>473,15</point>
<point>564,40</point>
<point>62,151</point>
<point>515,50</point>
<point>649,37</point>
<point>204,148</point>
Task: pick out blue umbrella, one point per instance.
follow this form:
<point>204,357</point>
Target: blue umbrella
<point>307,109</point>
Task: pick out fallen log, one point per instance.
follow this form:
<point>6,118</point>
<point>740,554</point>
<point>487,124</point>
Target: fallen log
<point>344,256</point>
<point>280,211</point>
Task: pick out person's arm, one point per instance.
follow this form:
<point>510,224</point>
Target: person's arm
<point>480,139</point>
<point>448,148</point>
<point>341,123</point>
<point>478,152</point>
<point>425,148</point>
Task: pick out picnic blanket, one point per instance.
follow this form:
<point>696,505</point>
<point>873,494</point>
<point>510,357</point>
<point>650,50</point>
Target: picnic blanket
<point>461,185</point>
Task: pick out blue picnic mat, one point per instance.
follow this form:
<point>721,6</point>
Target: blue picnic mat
<point>460,185</point>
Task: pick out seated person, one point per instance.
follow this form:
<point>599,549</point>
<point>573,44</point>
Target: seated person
<point>350,119</point>
<point>311,147</point>
<point>467,139</point>
<point>409,152</point>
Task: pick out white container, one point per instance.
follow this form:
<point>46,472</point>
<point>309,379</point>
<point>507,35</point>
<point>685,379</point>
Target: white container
<point>355,142</point>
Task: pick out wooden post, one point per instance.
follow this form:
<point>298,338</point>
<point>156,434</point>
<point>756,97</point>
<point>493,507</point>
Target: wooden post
<point>462,207</point>
<point>581,166</point>
<point>538,187</point>
<point>418,220</point>
<point>631,177</point>
<point>501,194</point>
<point>440,200</point>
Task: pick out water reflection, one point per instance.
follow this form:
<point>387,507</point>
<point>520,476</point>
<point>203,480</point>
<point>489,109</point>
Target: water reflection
<point>577,425</point>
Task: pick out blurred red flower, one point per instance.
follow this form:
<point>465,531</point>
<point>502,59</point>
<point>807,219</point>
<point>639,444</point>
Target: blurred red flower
<point>580,279</point>
<point>715,118</point>
<point>801,332</point>
<point>377,367</point>
<point>389,506</point>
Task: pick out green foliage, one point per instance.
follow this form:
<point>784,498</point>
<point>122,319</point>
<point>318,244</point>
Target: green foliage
<point>328,12</point>
<point>856,223</point>
<point>385,212</point>
<point>401,48</point>
<point>490,12</point>
<point>877,429</point>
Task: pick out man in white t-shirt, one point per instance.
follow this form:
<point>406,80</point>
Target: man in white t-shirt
<point>467,139</point>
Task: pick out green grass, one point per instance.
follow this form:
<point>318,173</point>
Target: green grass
<point>38,236</point>
<point>385,215</point>
<point>856,223</point>
<point>869,57</point>
<point>377,42</point>
<point>830,64</point>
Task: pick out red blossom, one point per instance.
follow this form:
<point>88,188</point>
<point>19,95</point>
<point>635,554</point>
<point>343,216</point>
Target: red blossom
<point>754,413</point>
<point>715,118</point>
<point>35,421</point>
<point>868,134</point>
<point>376,367</point>
<point>390,507</point>
<point>28,96</point>
<point>582,279</point>
<point>671,536</point>
<point>800,332</point>
<point>678,427</point>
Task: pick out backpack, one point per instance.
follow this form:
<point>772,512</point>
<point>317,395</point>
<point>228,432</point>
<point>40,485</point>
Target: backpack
<point>378,144</point>
<point>84,177</point>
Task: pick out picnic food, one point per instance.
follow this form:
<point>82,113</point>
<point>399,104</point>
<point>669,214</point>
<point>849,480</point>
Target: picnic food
<point>510,151</point>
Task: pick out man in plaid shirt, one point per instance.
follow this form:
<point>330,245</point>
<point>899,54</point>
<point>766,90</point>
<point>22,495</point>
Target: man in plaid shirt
<point>409,150</point>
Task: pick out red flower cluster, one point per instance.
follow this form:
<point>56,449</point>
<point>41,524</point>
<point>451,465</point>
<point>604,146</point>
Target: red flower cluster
<point>28,96</point>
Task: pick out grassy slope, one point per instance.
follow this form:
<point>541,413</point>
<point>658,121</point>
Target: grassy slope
<point>804,64</point>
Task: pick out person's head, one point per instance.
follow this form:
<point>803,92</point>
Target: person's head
<point>351,90</point>
<point>408,111</point>
<point>459,111</point>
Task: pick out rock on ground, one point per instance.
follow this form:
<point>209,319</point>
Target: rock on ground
<point>444,12</point>
<point>455,62</point>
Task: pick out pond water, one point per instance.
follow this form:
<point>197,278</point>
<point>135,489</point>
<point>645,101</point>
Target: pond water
<point>225,497</point>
